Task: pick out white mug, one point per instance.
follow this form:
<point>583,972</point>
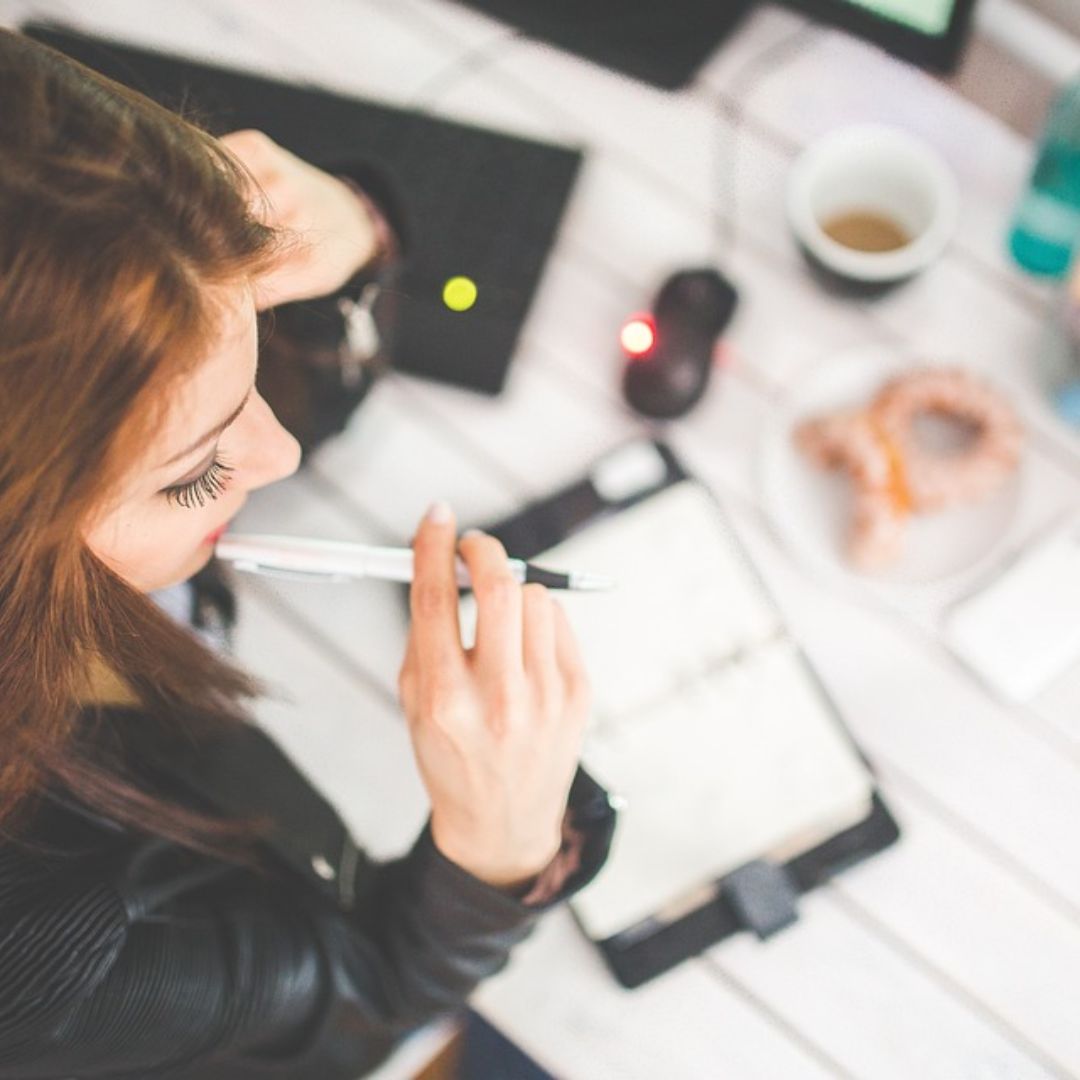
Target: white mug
<point>881,171</point>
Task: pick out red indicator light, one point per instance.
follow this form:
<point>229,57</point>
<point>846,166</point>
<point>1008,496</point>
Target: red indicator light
<point>638,335</point>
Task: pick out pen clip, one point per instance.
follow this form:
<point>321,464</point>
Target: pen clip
<point>249,567</point>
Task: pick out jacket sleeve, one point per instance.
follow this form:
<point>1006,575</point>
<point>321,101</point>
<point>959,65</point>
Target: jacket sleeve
<point>181,966</point>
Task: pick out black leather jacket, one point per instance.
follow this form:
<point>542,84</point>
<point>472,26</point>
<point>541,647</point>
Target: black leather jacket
<point>125,955</point>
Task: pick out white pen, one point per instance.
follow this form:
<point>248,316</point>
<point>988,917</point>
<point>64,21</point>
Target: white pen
<point>336,560</point>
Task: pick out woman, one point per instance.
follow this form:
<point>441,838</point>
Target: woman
<point>174,898</point>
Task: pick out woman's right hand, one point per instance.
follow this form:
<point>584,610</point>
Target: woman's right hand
<point>496,729</point>
<point>334,231</point>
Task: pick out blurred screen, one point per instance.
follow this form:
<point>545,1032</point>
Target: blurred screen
<point>922,16</point>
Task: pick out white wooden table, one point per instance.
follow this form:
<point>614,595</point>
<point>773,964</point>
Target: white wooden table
<point>957,953</point>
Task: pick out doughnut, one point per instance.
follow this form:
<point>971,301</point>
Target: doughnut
<point>894,474</point>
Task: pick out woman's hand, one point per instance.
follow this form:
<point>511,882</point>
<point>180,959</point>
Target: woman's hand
<point>496,729</point>
<point>334,233</point>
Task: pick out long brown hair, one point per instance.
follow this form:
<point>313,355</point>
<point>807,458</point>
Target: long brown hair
<point>116,220</point>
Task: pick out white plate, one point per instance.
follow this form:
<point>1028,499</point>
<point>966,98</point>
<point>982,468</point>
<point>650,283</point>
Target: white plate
<point>811,507</point>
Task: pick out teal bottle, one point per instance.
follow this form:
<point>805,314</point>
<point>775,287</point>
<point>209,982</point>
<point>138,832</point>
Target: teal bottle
<point>1046,226</point>
<point>1061,354</point>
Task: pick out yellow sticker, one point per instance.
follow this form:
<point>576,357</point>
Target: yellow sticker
<point>459,293</point>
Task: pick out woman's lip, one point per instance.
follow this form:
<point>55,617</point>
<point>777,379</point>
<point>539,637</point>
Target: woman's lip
<point>219,532</point>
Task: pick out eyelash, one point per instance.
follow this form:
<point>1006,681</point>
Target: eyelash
<point>208,486</point>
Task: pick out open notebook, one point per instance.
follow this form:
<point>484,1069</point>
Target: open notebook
<point>708,722</point>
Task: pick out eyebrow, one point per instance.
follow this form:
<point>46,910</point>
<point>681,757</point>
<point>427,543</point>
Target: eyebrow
<point>212,433</point>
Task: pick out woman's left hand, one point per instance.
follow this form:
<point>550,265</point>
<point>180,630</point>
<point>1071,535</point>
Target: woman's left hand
<point>334,233</point>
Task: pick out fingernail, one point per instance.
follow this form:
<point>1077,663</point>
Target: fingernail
<point>471,532</point>
<point>439,513</point>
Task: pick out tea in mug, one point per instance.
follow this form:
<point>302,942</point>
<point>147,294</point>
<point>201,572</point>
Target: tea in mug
<point>866,230</point>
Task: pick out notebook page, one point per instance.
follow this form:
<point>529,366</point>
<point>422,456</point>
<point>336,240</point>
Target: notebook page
<point>743,765</point>
<point>685,601</point>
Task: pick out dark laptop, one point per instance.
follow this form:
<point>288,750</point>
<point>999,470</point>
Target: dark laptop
<point>476,203</point>
<point>659,41</point>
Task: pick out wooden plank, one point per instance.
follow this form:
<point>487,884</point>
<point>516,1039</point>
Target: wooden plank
<point>868,1008</point>
<point>14,12</point>
<point>394,463</point>
<point>355,48</point>
<point>191,29</point>
<point>762,31</point>
<point>538,432</point>
<point>1059,704</point>
<point>560,1004</point>
<point>349,46</point>
<point>363,623</point>
<point>449,21</point>
<point>1017,956</point>
<point>337,730</point>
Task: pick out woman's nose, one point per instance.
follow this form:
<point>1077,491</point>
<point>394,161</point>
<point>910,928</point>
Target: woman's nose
<point>270,452</point>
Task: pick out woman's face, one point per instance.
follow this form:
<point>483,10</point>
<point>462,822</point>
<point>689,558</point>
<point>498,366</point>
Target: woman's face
<point>219,441</point>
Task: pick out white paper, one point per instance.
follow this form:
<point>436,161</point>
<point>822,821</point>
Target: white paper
<point>1023,629</point>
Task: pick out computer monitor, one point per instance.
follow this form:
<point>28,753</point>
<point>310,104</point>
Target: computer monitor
<point>928,32</point>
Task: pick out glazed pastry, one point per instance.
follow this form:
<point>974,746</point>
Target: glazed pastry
<point>894,473</point>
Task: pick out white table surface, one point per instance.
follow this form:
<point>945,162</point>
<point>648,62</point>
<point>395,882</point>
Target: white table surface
<point>957,953</point>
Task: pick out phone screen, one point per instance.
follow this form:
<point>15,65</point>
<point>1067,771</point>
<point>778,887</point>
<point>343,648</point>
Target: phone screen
<point>923,16</point>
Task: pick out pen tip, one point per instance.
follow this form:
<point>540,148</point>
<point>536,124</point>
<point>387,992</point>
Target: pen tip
<point>591,582</point>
